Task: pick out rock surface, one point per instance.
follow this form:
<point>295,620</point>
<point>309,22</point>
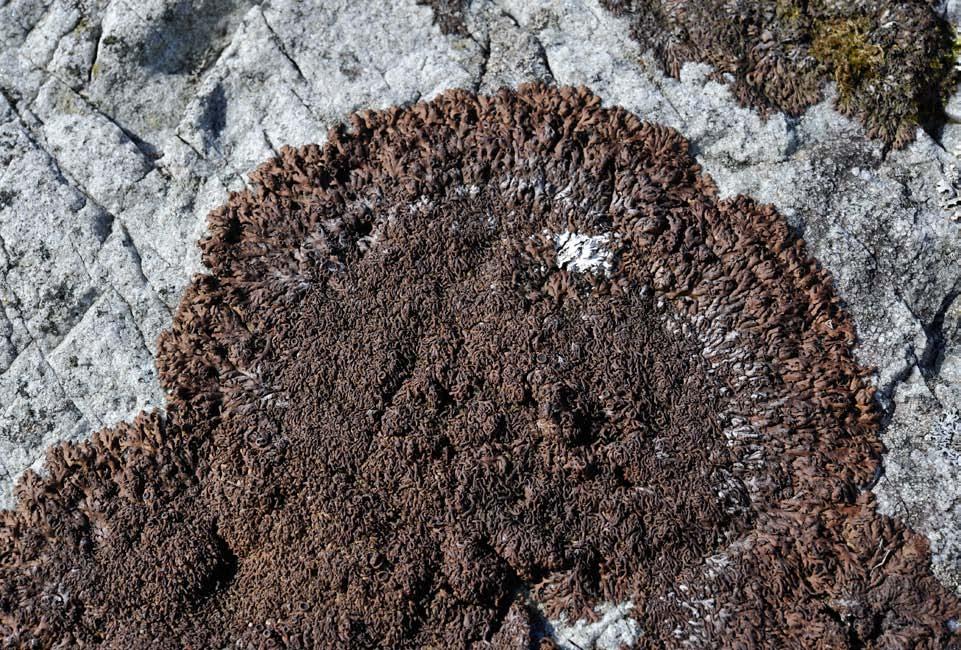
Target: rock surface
<point>122,124</point>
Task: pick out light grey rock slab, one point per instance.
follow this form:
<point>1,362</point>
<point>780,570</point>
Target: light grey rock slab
<point>951,138</point>
<point>123,123</point>
<point>512,55</point>
<point>95,379</point>
<point>953,108</point>
<point>36,413</point>
<point>150,54</point>
<point>951,9</point>
<point>920,482</point>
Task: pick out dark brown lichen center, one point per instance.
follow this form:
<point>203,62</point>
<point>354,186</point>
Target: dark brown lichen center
<point>435,393</point>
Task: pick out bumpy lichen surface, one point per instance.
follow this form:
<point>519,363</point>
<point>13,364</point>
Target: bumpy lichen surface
<point>893,60</point>
<point>399,417</point>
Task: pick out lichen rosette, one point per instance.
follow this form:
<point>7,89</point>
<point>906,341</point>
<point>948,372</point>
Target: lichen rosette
<point>399,418</point>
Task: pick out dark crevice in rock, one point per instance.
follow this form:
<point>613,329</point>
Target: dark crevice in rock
<point>929,362</point>
<point>282,47</point>
<point>149,152</point>
<point>97,36</point>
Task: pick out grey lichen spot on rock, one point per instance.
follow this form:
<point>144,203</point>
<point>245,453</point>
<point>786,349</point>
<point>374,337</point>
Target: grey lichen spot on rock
<point>213,120</point>
<point>182,36</point>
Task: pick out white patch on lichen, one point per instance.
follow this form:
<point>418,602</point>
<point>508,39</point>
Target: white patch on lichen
<point>613,630</point>
<point>584,253</point>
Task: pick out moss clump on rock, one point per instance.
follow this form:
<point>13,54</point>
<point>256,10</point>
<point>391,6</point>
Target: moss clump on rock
<point>405,413</point>
<point>845,46</point>
<point>893,60</point>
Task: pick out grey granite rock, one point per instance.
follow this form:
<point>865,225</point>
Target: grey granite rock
<point>122,124</point>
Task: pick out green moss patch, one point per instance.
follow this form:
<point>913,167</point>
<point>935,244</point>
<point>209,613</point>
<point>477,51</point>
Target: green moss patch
<point>845,45</point>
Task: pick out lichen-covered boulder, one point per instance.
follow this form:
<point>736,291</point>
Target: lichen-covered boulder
<point>471,367</point>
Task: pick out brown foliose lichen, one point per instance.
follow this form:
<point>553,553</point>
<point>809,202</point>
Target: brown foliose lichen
<point>448,14</point>
<point>893,60</point>
<point>399,419</point>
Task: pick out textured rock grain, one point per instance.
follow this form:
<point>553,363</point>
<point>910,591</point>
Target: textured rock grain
<point>122,124</point>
